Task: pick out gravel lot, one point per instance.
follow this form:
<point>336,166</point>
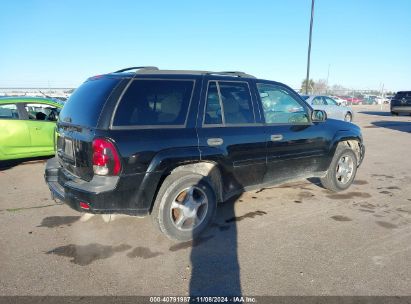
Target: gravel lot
<point>293,239</point>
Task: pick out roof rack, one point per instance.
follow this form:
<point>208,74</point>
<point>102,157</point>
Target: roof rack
<point>137,68</point>
<point>232,73</point>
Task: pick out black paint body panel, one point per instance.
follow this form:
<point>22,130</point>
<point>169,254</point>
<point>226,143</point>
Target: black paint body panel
<point>247,157</point>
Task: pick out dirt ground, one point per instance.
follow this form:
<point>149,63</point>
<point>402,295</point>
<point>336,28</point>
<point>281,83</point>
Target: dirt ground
<point>293,239</point>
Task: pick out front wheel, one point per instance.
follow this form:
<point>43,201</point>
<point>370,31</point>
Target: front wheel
<point>185,205</point>
<point>394,113</point>
<point>342,170</point>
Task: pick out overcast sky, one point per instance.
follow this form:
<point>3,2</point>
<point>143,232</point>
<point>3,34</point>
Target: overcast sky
<point>363,43</point>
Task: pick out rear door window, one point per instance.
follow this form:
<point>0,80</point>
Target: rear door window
<point>236,101</point>
<point>155,103</point>
<point>228,102</point>
<point>9,111</point>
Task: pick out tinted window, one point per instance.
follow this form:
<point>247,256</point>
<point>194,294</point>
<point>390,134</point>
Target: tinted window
<point>9,111</point>
<point>42,112</point>
<point>213,107</point>
<point>85,104</point>
<point>236,101</point>
<point>280,106</point>
<point>401,95</point>
<point>154,102</point>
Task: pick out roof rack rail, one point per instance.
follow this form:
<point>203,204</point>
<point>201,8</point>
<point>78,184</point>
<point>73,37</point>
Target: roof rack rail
<point>137,68</point>
<point>232,73</point>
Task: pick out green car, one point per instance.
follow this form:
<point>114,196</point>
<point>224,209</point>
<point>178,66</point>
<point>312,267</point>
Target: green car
<point>27,126</point>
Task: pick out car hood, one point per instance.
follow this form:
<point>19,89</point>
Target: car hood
<point>340,125</point>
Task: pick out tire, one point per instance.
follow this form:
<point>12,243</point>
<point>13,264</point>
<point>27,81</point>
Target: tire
<point>184,207</point>
<point>332,181</point>
<point>348,117</point>
<point>394,114</point>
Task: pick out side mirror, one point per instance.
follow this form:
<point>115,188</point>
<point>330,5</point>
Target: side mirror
<point>318,115</point>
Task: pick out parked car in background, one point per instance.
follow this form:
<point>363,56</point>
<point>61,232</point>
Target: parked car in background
<point>330,106</point>
<point>176,143</point>
<point>370,100</point>
<point>401,103</point>
<point>380,100</point>
<point>388,98</point>
<point>340,101</point>
<point>352,100</point>
<point>27,127</point>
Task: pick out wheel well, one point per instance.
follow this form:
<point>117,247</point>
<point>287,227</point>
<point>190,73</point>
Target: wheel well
<point>209,170</point>
<point>353,145</point>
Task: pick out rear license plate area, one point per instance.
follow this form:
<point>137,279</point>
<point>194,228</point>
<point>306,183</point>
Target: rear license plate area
<point>68,148</point>
<point>65,149</point>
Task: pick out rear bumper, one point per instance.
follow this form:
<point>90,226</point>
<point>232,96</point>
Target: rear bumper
<point>131,194</point>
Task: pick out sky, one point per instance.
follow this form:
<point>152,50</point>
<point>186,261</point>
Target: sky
<point>360,44</point>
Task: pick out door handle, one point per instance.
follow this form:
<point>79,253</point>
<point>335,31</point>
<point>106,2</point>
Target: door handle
<point>215,141</point>
<point>276,137</point>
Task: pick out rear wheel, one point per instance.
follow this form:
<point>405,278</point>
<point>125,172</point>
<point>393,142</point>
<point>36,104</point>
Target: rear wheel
<point>185,205</point>
<point>342,170</point>
<point>348,117</point>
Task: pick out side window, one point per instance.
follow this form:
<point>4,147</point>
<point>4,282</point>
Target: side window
<point>318,101</point>
<point>213,107</point>
<point>279,106</point>
<point>236,101</point>
<point>330,101</point>
<point>42,112</point>
<point>154,103</point>
<point>9,111</point>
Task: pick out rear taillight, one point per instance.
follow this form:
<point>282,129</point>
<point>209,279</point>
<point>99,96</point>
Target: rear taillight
<point>106,160</point>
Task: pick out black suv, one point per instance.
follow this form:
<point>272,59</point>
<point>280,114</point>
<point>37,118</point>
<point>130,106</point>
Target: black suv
<point>401,103</point>
<point>173,144</point>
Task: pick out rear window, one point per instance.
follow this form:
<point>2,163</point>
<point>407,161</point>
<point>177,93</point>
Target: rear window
<point>154,103</point>
<point>85,104</point>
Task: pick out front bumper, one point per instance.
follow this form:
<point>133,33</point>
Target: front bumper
<point>131,195</point>
<point>401,109</point>
<point>362,154</point>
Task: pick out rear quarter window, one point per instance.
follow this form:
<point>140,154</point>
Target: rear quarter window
<point>85,104</point>
<point>9,111</point>
<point>154,103</point>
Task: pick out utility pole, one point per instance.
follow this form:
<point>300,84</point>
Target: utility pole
<point>328,74</point>
<point>309,48</point>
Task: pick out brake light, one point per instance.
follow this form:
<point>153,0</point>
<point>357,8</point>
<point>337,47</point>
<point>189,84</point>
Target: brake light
<point>84,206</point>
<point>106,160</point>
